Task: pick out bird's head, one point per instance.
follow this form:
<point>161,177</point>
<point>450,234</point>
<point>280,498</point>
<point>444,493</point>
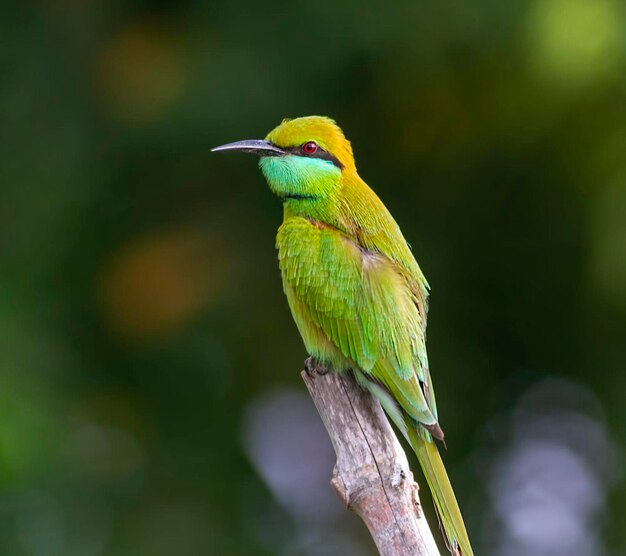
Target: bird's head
<point>302,159</point>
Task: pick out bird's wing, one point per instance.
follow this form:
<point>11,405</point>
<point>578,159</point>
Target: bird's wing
<point>372,226</point>
<point>363,304</point>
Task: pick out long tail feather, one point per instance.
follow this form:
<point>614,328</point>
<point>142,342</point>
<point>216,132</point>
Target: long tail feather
<point>450,519</point>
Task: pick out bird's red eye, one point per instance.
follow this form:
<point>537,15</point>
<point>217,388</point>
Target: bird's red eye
<point>310,147</point>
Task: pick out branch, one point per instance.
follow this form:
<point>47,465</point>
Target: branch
<point>372,475</point>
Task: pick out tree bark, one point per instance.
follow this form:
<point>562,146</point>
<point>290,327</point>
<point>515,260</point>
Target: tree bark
<point>372,475</point>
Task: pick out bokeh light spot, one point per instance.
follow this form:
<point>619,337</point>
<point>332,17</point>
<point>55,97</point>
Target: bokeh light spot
<point>157,282</point>
<point>140,73</point>
<point>575,41</point>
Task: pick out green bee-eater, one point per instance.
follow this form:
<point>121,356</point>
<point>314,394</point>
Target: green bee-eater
<point>357,294</point>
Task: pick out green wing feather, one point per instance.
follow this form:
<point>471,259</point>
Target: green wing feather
<point>359,300</point>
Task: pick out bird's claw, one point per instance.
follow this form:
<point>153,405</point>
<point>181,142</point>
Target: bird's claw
<point>312,367</point>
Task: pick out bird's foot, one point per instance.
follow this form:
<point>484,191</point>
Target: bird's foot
<point>312,367</point>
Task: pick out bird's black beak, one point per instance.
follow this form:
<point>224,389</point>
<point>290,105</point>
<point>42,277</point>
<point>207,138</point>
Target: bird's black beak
<point>256,146</point>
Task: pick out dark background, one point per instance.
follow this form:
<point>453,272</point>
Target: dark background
<point>150,400</point>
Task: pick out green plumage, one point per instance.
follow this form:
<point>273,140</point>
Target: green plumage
<point>354,310</point>
<point>356,293</point>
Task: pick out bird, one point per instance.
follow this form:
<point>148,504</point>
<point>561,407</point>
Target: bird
<point>356,293</point>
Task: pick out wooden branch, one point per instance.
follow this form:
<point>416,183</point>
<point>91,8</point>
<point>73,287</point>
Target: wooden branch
<point>372,475</point>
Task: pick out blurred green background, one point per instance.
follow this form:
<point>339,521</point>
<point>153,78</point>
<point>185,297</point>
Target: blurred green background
<point>150,399</point>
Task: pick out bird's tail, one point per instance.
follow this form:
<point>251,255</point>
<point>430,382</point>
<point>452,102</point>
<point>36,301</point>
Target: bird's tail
<point>450,519</point>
